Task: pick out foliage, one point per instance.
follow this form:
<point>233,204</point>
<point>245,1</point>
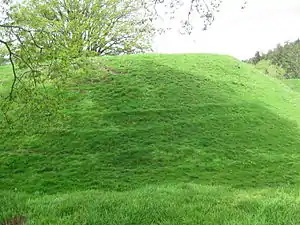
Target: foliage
<point>270,69</point>
<point>3,55</point>
<point>286,56</point>
<point>257,57</point>
<point>47,39</point>
<point>109,27</point>
<point>44,37</point>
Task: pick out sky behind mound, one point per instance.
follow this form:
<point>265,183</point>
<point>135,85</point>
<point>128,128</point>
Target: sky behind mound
<point>258,27</point>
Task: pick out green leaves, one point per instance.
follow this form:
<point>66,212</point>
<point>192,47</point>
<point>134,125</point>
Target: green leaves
<point>104,26</point>
<point>285,56</point>
<point>3,55</point>
<point>46,37</point>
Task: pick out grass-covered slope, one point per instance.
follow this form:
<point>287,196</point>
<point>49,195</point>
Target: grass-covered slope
<point>293,84</point>
<point>146,125</point>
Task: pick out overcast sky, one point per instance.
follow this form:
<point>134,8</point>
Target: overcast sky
<point>240,33</point>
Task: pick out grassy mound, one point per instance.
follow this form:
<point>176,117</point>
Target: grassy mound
<point>158,121</point>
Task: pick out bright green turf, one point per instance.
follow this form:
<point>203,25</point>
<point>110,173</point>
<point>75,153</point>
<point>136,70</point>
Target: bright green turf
<point>170,119</point>
<point>165,205</point>
<point>293,83</point>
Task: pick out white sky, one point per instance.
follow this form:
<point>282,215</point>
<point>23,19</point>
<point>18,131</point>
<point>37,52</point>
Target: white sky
<point>240,33</point>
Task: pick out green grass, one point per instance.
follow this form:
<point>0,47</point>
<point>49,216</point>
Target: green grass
<point>174,139</point>
<point>5,81</point>
<point>294,84</point>
<point>168,205</point>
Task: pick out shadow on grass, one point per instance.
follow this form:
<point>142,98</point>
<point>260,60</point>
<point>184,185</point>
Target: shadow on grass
<point>153,128</point>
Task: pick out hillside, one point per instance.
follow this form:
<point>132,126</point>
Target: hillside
<point>294,84</point>
<point>284,56</point>
<point>157,139</point>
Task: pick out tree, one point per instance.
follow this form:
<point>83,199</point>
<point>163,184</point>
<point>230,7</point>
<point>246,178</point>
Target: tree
<point>257,57</point>
<point>286,56</point>
<point>44,38</point>
<point>103,26</point>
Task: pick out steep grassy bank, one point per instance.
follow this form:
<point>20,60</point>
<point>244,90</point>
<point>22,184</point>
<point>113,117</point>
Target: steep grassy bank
<point>163,121</point>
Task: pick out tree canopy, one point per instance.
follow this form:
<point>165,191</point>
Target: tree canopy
<point>45,39</point>
<point>286,56</point>
<point>104,26</point>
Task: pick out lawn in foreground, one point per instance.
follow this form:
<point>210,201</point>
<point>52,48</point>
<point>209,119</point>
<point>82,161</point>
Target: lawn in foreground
<point>182,204</point>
